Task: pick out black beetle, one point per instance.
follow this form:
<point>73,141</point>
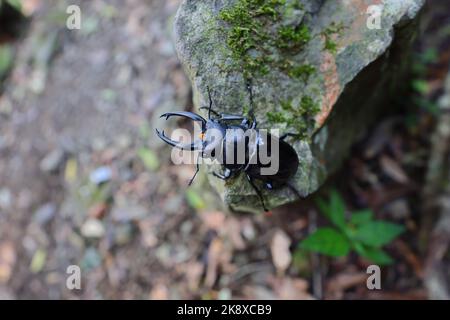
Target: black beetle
<point>233,135</point>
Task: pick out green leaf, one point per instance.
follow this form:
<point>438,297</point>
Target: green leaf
<point>378,233</point>
<point>375,255</point>
<point>337,210</point>
<point>149,158</point>
<point>323,208</point>
<point>361,217</point>
<point>16,4</point>
<point>300,261</point>
<point>194,200</point>
<point>430,56</point>
<point>6,59</point>
<point>327,241</point>
<point>38,261</point>
<point>421,86</point>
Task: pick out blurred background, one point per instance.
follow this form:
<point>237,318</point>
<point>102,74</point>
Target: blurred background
<point>84,181</point>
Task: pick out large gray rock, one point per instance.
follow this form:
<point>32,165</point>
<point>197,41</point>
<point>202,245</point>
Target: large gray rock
<point>317,69</point>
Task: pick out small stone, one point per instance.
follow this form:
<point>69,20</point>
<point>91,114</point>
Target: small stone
<point>186,228</point>
<point>173,204</point>
<point>91,259</point>
<point>52,161</point>
<point>123,141</point>
<point>5,198</point>
<point>44,213</point>
<point>101,175</point>
<point>123,234</point>
<point>163,254</point>
<point>149,240</point>
<point>399,209</point>
<point>93,228</point>
<point>224,294</point>
<point>128,212</point>
<point>98,144</point>
<point>159,292</point>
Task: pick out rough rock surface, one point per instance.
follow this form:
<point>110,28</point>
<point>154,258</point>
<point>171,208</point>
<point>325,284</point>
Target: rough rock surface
<point>317,69</point>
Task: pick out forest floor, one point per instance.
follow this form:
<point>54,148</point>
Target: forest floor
<point>84,181</point>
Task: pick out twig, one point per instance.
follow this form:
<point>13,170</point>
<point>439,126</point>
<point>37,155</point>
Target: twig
<point>317,283</point>
<point>436,210</point>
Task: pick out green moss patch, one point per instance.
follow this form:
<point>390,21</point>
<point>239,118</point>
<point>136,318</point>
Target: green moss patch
<point>299,118</point>
<point>329,34</point>
<point>259,41</point>
<point>262,37</point>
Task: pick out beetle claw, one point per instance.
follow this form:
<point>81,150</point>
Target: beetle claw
<point>185,114</point>
<point>191,147</point>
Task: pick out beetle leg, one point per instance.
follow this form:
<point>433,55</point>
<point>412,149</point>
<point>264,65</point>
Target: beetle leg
<point>284,136</point>
<point>227,175</point>
<point>210,110</point>
<point>220,176</point>
<point>230,117</point>
<point>197,169</point>
<point>246,123</point>
<point>258,192</point>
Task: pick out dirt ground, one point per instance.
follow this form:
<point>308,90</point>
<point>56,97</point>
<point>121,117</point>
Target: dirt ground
<point>84,181</point>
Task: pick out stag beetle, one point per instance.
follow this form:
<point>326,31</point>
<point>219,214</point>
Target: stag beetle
<point>232,136</point>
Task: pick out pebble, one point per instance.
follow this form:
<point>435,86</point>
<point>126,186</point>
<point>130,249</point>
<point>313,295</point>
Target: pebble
<point>44,213</point>
<point>93,228</point>
<point>123,234</point>
<point>5,198</point>
<point>128,213</point>
<point>91,259</point>
<point>52,161</point>
<point>100,175</point>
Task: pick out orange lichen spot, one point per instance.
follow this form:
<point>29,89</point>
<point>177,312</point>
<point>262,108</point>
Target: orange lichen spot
<point>332,87</point>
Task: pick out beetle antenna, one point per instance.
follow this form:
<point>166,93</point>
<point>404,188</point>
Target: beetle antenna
<point>252,107</point>
<point>210,102</point>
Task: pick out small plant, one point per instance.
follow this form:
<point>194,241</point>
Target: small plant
<point>358,232</point>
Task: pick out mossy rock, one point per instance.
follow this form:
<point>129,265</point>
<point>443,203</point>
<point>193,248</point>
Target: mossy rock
<point>316,70</point>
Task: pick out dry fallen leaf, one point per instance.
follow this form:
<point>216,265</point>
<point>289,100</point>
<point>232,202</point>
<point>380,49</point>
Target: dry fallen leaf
<point>214,253</point>
<point>7,261</point>
<point>393,170</point>
<point>159,292</point>
<point>291,288</point>
<point>281,255</point>
<point>233,229</point>
<point>98,211</point>
<point>338,284</point>
<point>193,272</point>
<point>213,220</point>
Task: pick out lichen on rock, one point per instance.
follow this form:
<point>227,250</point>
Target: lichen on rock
<point>302,57</point>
